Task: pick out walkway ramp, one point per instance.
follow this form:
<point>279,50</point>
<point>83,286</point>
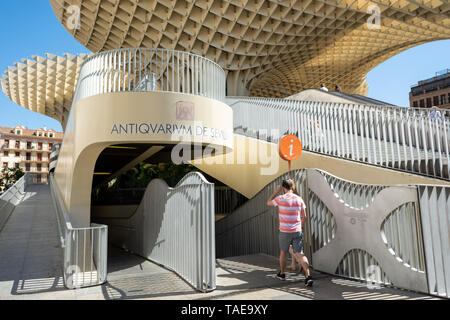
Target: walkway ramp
<point>335,97</point>
<point>30,251</point>
<point>133,277</point>
<point>401,139</point>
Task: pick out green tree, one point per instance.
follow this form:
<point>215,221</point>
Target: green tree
<point>11,175</point>
<point>140,176</point>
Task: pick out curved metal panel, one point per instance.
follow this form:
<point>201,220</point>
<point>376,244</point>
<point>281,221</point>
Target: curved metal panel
<point>174,227</point>
<point>323,225</point>
<point>435,214</point>
<point>401,232</point>
<point>357,198</point>
<point>359,264</point>
<point>361,229</point>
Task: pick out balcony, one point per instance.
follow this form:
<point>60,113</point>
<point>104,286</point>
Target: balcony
<point>145,69</point>
<point>11,148</point>
<point>35,170</point>
<point>34,159</point>
<point>18,148</point>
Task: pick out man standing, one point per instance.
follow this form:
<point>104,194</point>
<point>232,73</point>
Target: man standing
<point>435,114</point>
<point>292,216</point>
<point>323,88</point>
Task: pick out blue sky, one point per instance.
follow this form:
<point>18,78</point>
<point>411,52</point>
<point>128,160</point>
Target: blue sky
<point>391,80</point>
<point>29,27</point>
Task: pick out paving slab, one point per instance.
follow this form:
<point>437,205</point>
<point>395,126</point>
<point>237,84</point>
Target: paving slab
<point>30,252</point>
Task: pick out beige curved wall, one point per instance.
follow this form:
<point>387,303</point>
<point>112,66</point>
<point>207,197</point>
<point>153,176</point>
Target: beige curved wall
<point>253,164</point>
<point>118,118</point>
<point>246,165</point>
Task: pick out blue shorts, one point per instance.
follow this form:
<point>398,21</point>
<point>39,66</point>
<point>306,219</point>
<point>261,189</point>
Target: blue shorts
<point>294,238</point>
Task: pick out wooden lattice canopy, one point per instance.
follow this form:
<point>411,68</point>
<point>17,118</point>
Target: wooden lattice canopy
<point>269,48</point>
<point>272,48</point>
<point>44,85</point>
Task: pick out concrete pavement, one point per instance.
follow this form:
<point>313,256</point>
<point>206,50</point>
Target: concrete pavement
<point>31,261</point>
<point>238,278</point>
<point>30,252</point>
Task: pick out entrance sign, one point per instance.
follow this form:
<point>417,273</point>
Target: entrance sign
<point>290,148</point>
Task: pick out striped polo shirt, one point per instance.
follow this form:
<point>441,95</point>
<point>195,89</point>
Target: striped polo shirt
<point>289,208</point>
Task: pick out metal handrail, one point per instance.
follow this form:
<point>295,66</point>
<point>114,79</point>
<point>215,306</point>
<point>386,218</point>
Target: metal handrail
<point>15,195</point>
<point>416,141</point>
<point>127,70</point>
<point>6,196</point>
<point>10,198</point>
<point>233,100</point>
<point>85,249</point>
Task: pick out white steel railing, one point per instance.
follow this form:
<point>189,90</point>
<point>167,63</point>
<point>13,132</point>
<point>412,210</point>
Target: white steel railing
<point>173,227</point>
<point>412,140</point>
<point>85,249</point>
<point>53,158</point>
<point>11,198</point>
<point>435,211</point>
<point>148,69</point>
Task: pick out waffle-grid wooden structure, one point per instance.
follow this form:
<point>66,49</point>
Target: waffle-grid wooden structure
<point>270,48</point>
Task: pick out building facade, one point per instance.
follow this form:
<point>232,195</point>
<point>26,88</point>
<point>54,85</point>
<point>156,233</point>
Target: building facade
<point>28,149</point>
<point>433,92</point>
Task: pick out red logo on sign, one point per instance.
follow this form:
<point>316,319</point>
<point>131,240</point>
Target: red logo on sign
<point>185,110</point>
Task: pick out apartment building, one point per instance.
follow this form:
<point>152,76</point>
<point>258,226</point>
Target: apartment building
<point>28,149</point>
<point>433,92</point>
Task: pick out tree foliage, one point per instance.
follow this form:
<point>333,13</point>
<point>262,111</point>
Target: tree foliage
<point>10,175</point>
<point>139,177</point>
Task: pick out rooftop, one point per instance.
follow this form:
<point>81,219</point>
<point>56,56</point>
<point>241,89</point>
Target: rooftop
<point>439,75</point>
<point>31,132</point>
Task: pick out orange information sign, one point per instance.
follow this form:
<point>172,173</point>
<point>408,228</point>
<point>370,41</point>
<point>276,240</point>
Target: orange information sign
<point>290,147</point>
